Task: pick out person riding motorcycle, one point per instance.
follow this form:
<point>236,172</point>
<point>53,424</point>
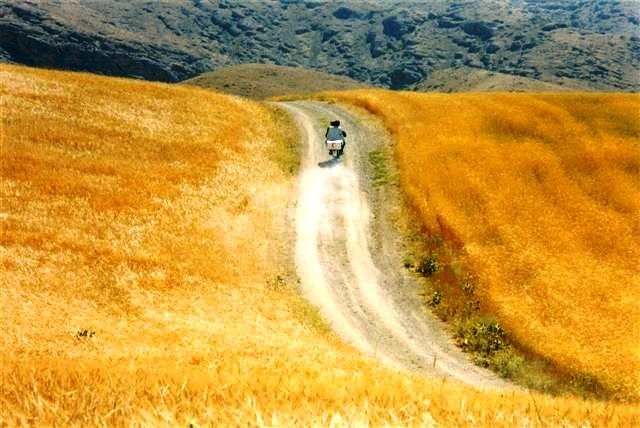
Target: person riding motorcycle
<point>335,133</point>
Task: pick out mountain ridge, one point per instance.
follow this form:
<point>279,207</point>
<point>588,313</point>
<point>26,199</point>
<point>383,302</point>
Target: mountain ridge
<point>381,44</point>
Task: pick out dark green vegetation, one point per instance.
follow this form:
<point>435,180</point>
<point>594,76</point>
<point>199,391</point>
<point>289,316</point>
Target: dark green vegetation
<point>428,266</point>
<point>391,44</point>
<point>260,81</point>
<point>488,341</point>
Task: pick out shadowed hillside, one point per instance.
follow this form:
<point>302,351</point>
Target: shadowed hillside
<point>260,81</point>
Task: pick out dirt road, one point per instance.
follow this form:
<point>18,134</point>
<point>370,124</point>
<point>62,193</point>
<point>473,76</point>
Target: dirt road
<point>349,259</point>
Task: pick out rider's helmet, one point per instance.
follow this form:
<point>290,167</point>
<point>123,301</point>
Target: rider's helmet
<point>335,123</point>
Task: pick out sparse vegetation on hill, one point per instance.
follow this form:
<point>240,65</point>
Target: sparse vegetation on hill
<point>466,79</point>
<point>394,44</point>
<point>539,195</point>
<point>260,81</point>
<point>144,275</point>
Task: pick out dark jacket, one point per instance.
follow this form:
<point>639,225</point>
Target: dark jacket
<point>335,133</point>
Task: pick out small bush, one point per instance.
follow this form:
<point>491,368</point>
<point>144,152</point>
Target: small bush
<point>435,299</point>
<point>85,333</point>
<point>428,266</point>
<point>277,284</point>
<point>486,339</point>
<point>483,335</point>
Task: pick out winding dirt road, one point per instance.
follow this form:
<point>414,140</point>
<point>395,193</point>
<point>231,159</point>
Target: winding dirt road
<point>358,281</point>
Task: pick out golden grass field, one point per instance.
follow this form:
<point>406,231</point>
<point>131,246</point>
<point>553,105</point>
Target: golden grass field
<point>156,216</point>
<point>542,194</point>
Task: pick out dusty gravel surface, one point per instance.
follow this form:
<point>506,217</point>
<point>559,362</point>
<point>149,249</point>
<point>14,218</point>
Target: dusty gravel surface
<point>349,254</point>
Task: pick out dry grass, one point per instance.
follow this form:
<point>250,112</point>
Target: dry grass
<point>541,193</point>
<point>470,79</point>
<point>152,215</point>
<point>261,81</point>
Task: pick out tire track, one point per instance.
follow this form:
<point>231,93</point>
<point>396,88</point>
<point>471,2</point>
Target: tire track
<point>355,285</point>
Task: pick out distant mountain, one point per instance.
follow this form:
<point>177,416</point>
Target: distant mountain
<point>262,81</point>
<point>391,44</point>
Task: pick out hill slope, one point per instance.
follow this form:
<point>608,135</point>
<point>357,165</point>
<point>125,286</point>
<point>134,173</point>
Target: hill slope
<point>156,217</point>
<point>389,44</point>
<point>467,79</point>
<point>261,81</point>
<point>538,197</point>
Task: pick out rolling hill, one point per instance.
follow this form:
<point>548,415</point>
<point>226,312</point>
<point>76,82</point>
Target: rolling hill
<point>260,81</point>
<point>388,44</point>
<point>532,203</point>
<point>145,264</point>
<point>466,79</point>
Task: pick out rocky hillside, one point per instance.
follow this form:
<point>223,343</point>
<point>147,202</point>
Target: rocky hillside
<point>467,79</point>
<point>381,43</point>
<point>262,81</point>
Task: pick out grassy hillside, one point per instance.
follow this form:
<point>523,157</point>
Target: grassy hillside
<point>260,81</point>
<point>539,196</point>
<point>467,79</point>
<point>144,227</point>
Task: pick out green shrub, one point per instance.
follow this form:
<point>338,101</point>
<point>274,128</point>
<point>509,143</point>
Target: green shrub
<point>482,335</point>
<point>429,265</point>
<point>487,341</point>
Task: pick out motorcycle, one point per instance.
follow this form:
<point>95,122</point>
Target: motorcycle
<point>335,148</point>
